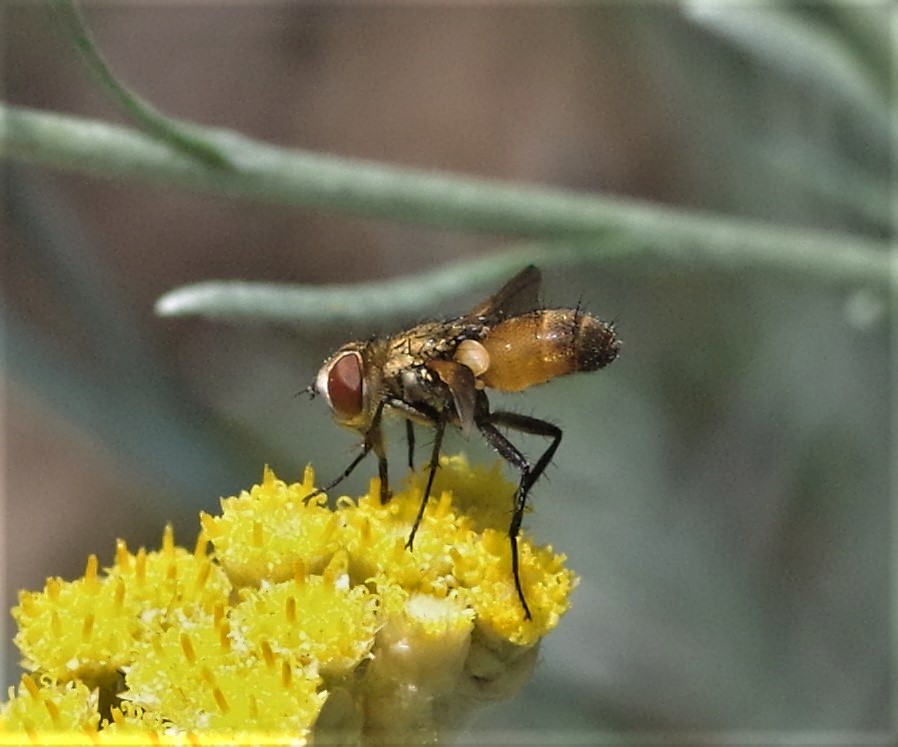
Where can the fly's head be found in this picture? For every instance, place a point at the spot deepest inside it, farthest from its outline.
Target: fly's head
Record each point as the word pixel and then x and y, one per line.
pixel 349 382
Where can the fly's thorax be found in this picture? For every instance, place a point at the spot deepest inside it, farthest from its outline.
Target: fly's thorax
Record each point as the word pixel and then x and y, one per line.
pixel 421 387
pixel 424 342
pixel 405 362
pixel 537 347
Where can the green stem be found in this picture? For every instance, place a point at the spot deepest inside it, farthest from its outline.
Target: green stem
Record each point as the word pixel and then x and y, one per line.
pixel 413 295
pixel 181 135
pixel 293 177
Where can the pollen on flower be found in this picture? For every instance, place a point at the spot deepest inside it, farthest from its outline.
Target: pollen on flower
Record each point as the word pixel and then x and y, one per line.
pixel 303 622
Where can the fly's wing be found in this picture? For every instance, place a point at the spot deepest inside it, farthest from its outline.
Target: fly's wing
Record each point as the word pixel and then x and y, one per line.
pixel 460 380
pixel 516 297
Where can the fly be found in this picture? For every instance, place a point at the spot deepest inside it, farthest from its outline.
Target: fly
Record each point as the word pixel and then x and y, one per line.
pixel 436 374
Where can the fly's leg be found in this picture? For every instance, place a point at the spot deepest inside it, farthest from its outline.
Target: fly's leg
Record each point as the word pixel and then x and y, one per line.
pixel 366 447
pixel 487 423
pixel 534 427
pixel 410 440
pixel 440 426
pixel 373 441
pixel 377 444
pixel 510 453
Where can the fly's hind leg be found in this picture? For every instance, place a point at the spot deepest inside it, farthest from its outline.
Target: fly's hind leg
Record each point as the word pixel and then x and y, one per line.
pixel 534 427
pixel 487 422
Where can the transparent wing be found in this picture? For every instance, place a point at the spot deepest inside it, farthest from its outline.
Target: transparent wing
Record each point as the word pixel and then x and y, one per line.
pixel 518 296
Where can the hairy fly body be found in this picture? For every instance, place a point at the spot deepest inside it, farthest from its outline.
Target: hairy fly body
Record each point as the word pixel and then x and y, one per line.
pixel 436 374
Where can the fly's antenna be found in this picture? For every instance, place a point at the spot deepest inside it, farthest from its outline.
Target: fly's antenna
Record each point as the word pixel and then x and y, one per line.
pixel 310 390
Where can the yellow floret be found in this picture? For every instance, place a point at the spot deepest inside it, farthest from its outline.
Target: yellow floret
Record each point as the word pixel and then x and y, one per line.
pixel 76 629
pixel 461 545
pixel 318 619
pixel 485 568
pixel 200 680
pixel 49 707
pixel 375 537
pixel 264 532
pixel 87 628
pixel 172 581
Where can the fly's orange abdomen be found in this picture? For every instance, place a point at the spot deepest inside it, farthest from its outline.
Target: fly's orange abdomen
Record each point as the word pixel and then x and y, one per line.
pixel 535 348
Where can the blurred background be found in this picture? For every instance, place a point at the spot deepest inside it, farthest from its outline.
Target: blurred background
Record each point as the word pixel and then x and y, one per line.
pixel 723 488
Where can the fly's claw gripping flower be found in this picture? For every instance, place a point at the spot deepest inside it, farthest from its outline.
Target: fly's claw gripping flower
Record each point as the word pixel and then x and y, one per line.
pixel 483 567
pixel 303 622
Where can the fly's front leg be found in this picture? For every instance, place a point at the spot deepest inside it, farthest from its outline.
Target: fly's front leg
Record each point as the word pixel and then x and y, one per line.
pixel 376 439
pixel 373 441
pixel 486 422
pixel 366 447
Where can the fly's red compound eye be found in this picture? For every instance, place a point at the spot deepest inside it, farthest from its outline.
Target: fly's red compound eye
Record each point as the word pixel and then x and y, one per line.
pixel 341 382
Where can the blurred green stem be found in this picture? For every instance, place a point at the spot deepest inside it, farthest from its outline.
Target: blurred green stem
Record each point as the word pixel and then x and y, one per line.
pixel 294 177
pixel 180 135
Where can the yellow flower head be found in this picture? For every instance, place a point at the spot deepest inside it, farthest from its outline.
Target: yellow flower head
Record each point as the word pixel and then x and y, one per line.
pixel 263 533
pixel 86 628
pixel 302 621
